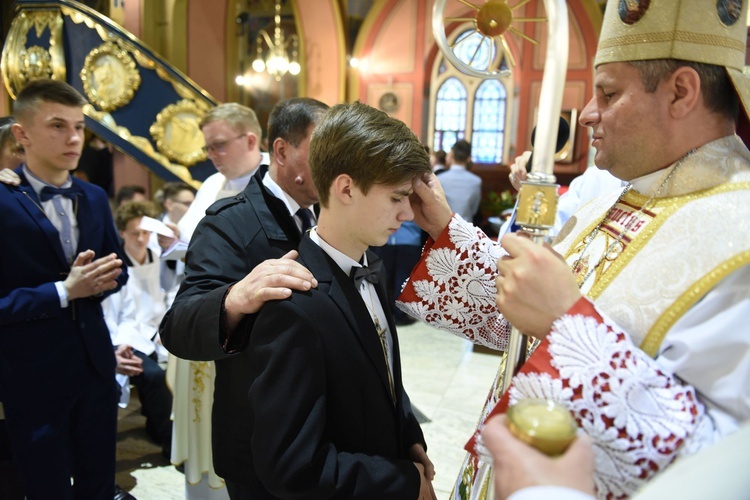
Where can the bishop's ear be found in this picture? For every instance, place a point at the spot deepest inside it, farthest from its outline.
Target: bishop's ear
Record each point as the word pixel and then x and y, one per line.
pixel 685 86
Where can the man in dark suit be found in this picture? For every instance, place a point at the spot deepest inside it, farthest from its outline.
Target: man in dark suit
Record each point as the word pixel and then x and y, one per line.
pixel 59 259
pixel 240 256
pixel 329 414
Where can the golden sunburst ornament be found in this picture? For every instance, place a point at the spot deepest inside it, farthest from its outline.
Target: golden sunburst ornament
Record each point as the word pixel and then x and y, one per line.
pixel 492 20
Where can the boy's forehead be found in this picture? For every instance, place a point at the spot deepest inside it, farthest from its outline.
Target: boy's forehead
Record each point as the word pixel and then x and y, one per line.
pixel 404 187
pixel 55 111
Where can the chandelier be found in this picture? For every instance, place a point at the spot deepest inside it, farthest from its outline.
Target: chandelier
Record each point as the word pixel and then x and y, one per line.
pixel 277 61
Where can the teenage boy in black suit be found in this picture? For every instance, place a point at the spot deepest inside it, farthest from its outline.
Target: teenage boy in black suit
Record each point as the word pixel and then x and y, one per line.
pixel 329 414
pixel 241 255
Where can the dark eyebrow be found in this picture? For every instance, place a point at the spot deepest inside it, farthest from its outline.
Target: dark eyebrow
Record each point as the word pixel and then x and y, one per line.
pixel 403 192
pixel 58 119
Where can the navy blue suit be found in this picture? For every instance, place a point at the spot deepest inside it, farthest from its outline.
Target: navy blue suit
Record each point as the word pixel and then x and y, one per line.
pixel 56 365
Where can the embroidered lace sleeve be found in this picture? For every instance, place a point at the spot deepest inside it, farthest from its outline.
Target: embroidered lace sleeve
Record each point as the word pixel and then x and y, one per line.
pixel 639 417
pixel 453 286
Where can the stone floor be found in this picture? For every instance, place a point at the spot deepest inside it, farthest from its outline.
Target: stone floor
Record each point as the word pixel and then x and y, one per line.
pixel 446 380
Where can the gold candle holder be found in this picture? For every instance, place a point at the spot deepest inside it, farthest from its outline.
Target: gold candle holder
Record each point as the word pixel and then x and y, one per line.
pixel 544 424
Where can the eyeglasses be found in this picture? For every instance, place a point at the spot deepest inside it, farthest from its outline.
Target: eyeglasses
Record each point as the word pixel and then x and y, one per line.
pixel 183 203
pixel 220 147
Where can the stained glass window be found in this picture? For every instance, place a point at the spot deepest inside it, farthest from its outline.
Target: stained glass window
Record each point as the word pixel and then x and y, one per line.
pixel 474 50
pixel 450 114
pixel 465 107
pixel 488 129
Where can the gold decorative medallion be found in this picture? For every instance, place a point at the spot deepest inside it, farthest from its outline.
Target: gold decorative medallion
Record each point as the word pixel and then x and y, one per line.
pixel 177 132
pixel 140 143
pixel 21 63
pixel 110 77
pixel 389 102
pixel 36 63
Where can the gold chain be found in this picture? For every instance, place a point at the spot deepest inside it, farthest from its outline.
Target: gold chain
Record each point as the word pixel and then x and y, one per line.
pixel 635 218
pixel 382 332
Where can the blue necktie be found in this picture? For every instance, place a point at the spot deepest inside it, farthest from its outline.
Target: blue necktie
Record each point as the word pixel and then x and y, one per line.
pixel 66 235
pixel 306 218
pixel 48 192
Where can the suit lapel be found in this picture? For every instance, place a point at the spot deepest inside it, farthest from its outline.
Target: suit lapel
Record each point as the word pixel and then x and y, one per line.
pixel 273 215
pixel 349 301
pixel 28 199
pixel 382 289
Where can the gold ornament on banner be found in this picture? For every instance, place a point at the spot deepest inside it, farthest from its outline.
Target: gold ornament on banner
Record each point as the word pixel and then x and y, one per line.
pixel 110 77
pixel 36 63
pixel 177 132
pixel 21 64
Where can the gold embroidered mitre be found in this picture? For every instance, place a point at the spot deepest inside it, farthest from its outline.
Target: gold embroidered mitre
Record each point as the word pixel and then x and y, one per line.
pixel 704 31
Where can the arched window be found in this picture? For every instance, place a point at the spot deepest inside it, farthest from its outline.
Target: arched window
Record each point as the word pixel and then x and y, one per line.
pixel 450 114
pixel 488 129
pixel 464 107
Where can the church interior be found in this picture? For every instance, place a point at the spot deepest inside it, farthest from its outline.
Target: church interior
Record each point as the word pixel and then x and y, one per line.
pixel 382 53
pixel 191 54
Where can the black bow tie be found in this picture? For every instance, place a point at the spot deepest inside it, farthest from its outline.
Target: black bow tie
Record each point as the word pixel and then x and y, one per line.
pixel 370 273
pixel 48 192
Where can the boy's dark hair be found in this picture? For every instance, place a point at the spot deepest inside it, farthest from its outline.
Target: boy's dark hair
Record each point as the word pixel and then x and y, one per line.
pixel 45 90
pixel 440 156
pixel 366 144
pixel 461 151
pixel 172 189
pixel 133 209
pixel 290 119
pixel 126 193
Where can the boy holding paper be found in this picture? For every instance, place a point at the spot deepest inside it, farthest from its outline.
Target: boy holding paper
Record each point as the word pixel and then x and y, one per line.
pixel 133 316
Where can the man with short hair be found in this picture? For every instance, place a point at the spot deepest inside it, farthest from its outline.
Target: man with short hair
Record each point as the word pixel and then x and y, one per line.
pixel 177 198
pixel 329 416
pixel 463 189
pixel 131 192
pixel 642 329
pixel 241 256
pixel 59 260
pixel 232 135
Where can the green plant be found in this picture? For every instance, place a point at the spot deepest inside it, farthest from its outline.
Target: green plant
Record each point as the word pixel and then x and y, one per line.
pixel 495 203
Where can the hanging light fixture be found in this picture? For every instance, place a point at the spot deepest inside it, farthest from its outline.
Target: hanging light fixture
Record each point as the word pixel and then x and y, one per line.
pixel 277 62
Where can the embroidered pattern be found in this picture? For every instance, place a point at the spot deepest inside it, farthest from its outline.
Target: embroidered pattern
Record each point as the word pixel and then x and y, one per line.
pixel 637 416
pixel 459 297
pixel 202 373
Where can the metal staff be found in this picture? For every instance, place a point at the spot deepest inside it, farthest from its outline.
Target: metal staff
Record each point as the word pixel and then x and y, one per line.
pixel 537 205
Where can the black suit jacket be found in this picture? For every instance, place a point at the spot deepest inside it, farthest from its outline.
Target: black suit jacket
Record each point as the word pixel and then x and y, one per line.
pixel 236 235
pixel 324 423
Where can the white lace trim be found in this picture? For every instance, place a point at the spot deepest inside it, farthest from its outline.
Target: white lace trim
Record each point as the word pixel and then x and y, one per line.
pixel 637 416
pixel 460 297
